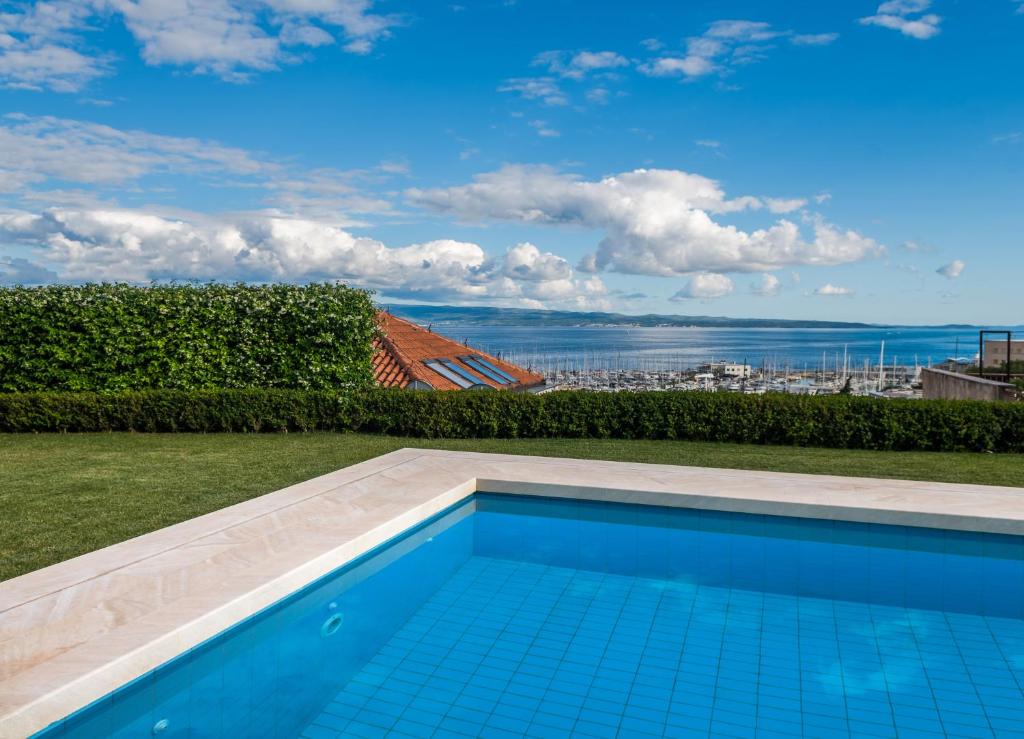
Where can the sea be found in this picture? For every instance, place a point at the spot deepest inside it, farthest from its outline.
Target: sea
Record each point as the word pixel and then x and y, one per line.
pixel 667 348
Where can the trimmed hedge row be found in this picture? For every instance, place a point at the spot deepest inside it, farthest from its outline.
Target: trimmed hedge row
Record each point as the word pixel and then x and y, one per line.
pixel 837 421
pixel 112 338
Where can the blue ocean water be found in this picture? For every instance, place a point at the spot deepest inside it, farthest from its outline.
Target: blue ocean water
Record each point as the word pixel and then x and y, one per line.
pixel 671 348
pixel 513 616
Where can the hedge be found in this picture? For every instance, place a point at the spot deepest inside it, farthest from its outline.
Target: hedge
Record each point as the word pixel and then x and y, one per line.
pixel 838 421
pixel 116 337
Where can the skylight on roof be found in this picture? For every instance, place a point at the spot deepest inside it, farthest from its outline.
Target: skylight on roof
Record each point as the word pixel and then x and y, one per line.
pixel 453 372
pixel 487 370
pixel 482 365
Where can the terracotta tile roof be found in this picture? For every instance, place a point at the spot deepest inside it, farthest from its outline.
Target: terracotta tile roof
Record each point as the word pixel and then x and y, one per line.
pixel 404 347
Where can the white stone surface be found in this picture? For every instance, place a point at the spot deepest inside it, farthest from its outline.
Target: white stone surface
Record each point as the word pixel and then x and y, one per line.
pixel 73 632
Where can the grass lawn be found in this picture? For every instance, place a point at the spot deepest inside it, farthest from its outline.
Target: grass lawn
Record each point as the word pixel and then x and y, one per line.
pixel 64 495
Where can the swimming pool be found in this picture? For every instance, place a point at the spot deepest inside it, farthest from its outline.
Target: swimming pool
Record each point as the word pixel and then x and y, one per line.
pixel 518 615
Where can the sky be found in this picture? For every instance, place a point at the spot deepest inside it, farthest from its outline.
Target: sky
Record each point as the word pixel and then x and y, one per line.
pixel 849 160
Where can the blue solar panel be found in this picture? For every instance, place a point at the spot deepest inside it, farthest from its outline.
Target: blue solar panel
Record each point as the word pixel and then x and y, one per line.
pixel 471 361
pixel 463 372
pixel 484 363
pixel 448 374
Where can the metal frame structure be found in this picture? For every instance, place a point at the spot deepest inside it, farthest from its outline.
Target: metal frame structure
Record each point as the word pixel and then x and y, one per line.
pixel 981 352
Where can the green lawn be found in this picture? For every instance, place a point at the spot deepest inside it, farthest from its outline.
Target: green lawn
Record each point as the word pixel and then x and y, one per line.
pixel 63 495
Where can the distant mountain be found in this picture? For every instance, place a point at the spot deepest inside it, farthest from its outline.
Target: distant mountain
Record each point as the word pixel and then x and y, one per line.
pixel 484 316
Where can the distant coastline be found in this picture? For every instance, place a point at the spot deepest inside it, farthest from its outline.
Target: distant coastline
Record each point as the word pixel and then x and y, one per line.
pixel 441 315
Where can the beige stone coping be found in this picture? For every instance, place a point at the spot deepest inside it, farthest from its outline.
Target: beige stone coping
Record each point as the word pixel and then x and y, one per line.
pixel 73 632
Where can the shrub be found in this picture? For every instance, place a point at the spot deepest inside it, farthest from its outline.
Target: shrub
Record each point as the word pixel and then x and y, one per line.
pixel 112 338
pixel 840 421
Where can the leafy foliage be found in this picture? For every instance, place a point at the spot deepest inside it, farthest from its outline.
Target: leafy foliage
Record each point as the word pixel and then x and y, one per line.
pixel 115 337
pixel 842 422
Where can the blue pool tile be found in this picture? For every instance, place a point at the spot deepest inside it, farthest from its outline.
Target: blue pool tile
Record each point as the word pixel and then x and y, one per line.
pixel 562 618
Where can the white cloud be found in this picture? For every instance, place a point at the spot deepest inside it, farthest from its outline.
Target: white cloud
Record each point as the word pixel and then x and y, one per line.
pixel 725 44
pixel 704 286
pixel 784 205
pixel 578 65
pixel 545 89
pixel 692 65
pixel 35 149
pixel 527 262
pixel 906 16
pixel 233 38
pixel 139 246
pixel 39 156
pixel 767 286
pixel 544 130
pixel 741 30
pixel 21 271
pixel 563 65
pixel 814 39
pixel 39 49
pixel 708 143
pixel 833 290
pixel 655 222
pixel 42 42
pixel 916 247
pixel 952 270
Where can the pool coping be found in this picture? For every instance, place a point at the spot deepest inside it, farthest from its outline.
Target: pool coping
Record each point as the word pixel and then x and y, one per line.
pixel 75 631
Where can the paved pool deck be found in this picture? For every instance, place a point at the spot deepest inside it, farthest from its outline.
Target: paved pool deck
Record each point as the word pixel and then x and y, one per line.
pixel 75 631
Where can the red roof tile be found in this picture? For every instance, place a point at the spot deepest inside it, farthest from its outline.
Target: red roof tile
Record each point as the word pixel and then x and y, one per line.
pixel 404 346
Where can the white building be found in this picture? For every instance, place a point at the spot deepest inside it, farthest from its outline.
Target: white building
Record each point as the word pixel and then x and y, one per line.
pixel 728 369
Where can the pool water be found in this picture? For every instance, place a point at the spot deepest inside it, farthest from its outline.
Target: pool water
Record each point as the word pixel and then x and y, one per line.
pixel 518 616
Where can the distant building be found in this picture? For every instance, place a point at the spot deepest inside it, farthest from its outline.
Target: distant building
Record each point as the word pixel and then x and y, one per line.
pixel 727 369
pixel 995 352
pixel 407 355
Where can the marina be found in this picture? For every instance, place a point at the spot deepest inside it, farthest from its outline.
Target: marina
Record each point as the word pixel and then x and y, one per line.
pixel 882 362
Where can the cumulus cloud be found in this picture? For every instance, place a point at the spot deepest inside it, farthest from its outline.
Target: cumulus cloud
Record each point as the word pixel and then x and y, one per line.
pixel 654 222
pixel 39 49
pixel 140 246
pixel 829 289
pixel 767 286
pixel 229 38
pixel 704 286
pixel 906 16
pixel 952 270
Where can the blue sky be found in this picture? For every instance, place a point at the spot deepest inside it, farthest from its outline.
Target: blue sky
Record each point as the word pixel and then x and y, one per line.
pixel 850 160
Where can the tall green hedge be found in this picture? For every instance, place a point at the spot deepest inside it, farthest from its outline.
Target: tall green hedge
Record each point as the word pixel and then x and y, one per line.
pixel 837 421
pixel 115 337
